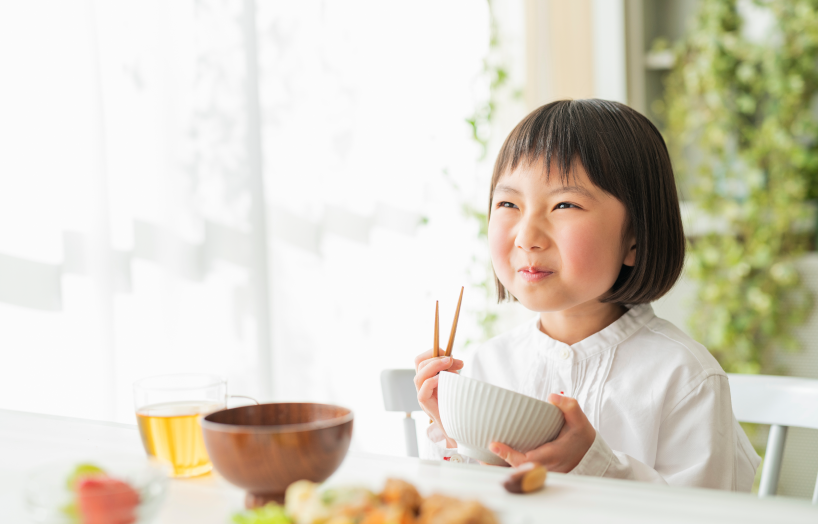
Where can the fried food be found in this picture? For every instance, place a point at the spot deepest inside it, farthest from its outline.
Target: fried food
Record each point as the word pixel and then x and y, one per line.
pixel 401 493
pixel 398 503
pixel 440 509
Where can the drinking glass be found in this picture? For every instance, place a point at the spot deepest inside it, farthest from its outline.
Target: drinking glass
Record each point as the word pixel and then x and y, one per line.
pixel 168 408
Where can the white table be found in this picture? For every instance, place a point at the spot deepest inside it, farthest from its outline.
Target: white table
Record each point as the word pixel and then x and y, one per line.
pixel 28 440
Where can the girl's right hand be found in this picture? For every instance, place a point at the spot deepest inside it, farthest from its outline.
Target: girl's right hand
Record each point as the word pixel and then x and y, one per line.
pixel 427 369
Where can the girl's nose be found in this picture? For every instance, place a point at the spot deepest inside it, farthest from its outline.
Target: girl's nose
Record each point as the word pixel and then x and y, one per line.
pixel 530 237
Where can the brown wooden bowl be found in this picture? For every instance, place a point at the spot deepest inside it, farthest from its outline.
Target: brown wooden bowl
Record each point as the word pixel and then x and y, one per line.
pixel 265 448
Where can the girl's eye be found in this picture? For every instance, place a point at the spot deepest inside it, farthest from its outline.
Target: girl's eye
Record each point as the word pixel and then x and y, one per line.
pixel 565 205
pixel 506 204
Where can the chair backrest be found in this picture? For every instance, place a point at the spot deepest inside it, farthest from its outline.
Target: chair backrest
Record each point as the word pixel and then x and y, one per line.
pixel 780 402
pixel 399 392
pixel 783 401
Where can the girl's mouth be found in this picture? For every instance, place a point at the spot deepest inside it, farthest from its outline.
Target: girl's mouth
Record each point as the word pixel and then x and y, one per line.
pixel 534 274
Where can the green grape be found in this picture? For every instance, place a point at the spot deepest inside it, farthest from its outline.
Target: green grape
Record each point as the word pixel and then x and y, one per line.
pixel 270 513
pixel 80 471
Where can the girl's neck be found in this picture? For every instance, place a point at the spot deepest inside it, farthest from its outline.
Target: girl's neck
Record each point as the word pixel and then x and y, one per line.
pixel 578 323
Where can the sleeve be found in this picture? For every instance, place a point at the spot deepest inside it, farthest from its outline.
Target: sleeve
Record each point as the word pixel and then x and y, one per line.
pixel 602 461
pixel 434 447
pixel 696 446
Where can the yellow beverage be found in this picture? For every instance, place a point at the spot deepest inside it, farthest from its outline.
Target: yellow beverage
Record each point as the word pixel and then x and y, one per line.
pixel 171 432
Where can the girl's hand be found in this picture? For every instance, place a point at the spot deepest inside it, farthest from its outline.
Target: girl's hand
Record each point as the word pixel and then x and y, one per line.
pixel 427 369
pixel 563 453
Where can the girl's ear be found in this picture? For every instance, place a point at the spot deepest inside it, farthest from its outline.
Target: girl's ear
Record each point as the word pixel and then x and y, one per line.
pixel 630 256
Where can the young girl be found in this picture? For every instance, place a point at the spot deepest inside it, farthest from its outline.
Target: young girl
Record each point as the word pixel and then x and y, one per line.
pixel 585 229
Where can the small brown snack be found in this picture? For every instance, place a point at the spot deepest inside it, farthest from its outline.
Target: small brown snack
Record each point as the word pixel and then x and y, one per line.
pixel 527 478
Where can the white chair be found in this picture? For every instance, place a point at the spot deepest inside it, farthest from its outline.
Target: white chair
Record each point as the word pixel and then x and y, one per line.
pixel 781 402
pixel 399 394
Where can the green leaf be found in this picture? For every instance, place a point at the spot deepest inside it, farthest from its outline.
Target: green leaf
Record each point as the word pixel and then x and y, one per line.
pixel 742 133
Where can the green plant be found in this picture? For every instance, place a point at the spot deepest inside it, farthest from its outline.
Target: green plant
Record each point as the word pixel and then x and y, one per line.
pixel 742 130
pixel 496 74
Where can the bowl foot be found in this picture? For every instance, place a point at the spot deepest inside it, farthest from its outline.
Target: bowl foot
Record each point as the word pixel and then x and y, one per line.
pixel 483 455
pixel 256 500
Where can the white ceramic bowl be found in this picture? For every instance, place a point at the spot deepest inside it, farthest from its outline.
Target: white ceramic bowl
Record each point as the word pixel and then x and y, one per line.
pixel 475 414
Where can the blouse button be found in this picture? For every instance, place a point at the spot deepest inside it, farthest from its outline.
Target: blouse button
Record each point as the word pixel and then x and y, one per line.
pixel 565 353
pixel 456 458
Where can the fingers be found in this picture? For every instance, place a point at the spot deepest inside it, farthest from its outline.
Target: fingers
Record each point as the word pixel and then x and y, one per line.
pixel 456 364
pixel 515 458
pixel 432 367
pixel 423 356
pixel 426 379
pixel 426 356
pixel 570 409
pixel 548 454
pixel 575 439
pixel 555 399
pixel 428 372
pixel 428 399
pixel 426 389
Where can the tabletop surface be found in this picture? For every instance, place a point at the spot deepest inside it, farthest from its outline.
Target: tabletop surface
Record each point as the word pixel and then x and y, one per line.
pixel 29 440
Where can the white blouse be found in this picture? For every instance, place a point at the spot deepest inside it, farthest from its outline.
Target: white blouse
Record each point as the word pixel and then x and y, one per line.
pixel 659 401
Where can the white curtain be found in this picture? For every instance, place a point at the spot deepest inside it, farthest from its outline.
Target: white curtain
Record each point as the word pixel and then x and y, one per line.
pixel 271 191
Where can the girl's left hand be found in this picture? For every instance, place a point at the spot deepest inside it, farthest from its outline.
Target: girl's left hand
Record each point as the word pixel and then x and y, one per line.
pixel 563 453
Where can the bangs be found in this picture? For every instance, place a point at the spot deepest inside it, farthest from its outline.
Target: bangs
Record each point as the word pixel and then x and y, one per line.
pixel 561 134
pixel 547 137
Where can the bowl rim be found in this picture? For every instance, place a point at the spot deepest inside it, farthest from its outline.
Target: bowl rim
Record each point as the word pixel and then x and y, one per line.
pixel 508 390
pixel 212 425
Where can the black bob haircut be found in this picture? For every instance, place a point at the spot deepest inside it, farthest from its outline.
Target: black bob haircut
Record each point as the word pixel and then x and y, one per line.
pixel 625 156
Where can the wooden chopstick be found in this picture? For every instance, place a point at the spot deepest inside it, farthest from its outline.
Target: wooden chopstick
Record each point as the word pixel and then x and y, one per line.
pixel 454 325
pixel 437 327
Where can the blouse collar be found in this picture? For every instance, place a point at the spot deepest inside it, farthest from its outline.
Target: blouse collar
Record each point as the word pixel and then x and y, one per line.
pixel 616 333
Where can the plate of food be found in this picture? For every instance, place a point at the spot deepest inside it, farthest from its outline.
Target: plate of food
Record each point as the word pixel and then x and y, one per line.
pixel 110 490
pixel 399 502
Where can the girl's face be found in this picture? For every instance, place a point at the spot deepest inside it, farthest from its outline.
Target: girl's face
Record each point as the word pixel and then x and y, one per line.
pixel 556 247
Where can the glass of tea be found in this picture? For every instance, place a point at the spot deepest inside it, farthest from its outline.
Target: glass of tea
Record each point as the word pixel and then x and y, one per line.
pixel 168 408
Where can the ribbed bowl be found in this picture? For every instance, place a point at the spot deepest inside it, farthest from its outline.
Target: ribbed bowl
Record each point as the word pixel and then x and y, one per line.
pixel 475 414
